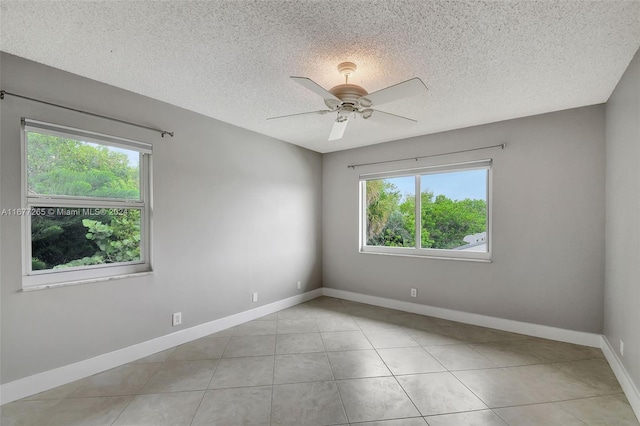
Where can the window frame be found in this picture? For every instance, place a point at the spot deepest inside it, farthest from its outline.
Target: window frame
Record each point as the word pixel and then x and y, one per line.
pixel 35 279
pixel 417 250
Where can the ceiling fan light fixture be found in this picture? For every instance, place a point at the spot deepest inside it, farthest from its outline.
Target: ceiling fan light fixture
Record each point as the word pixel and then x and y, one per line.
pixel 332 103
pixel 366 113
pixel 364 102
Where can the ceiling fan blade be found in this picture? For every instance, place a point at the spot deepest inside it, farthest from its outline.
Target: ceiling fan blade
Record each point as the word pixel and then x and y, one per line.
pixel 397 91
pixel 322 111
pixel 314 87
pixel 388 118
pixel 337 131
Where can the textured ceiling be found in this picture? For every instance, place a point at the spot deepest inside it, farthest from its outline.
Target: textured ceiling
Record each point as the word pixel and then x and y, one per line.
pixel 483 61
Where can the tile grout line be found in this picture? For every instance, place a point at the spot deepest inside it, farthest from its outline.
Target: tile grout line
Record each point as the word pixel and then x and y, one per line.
pixel 133 396
pixel 195 413
pixel 560 400
pixel 273 373
pixel 344 408
pixel 218 364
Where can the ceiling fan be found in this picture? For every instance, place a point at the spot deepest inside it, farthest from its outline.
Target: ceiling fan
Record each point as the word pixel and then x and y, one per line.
pixel 349 101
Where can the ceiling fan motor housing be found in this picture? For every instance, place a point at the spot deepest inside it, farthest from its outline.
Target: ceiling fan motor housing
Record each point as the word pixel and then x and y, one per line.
pixel 348 93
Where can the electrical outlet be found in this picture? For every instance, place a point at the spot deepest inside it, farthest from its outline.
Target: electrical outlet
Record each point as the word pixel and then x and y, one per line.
pixel 621 348
pixel 299 285
pixel 414 292
pixel 254 297
pixel 177 318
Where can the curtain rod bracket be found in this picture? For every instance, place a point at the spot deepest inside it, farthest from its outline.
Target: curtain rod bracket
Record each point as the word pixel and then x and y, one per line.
pixel 162 132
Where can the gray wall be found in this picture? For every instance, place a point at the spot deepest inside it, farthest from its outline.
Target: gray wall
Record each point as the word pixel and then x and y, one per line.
pixel 234 212
pixel 622 282
pixel 548 223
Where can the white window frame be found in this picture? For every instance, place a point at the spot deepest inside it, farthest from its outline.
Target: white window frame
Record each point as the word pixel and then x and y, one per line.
pixel 94 273
pixel 417 250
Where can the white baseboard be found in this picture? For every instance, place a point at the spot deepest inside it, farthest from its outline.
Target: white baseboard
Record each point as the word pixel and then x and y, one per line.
pixel 630 389
pixel 536 330
pixel 40 382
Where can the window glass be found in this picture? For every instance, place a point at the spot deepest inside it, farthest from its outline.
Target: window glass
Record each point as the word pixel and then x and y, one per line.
pixel 68 237
pixel 454 210
pixel 391 212
pixel 448 216
pixel 69 167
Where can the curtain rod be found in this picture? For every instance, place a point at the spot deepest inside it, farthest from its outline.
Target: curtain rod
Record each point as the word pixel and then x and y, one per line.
pixel 353 166
pixel 162 132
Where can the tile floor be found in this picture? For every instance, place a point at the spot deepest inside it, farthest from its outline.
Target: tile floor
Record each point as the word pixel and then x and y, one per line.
pixel 334 362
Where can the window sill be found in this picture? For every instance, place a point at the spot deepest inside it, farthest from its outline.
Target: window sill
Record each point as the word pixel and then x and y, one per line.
pixel 425 256
pixel 85 281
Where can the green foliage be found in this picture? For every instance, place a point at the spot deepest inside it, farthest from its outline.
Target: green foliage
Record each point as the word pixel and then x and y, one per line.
pixel 85 261
pixel 61 166
pixel 37 264
pixel 444 222
pixel 382 200
pixel 60 239
pixel 45 231
pixel 394 233
pixel 118 241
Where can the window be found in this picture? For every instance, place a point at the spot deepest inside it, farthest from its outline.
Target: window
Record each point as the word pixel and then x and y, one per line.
pixel 86 205
pixel 440 211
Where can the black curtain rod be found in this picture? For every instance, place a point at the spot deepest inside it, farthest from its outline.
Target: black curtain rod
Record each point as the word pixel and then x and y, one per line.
pixel 353 166
pixel 3 93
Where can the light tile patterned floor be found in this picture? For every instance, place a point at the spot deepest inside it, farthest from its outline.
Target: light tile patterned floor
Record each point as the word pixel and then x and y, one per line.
pixel 334 362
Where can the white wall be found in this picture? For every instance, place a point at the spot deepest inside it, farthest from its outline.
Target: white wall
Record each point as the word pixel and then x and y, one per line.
pixel 548 223
pixel 622 277
pixel 234 212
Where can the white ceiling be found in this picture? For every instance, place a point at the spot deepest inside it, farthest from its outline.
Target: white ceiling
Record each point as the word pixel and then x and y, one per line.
pixel 483 61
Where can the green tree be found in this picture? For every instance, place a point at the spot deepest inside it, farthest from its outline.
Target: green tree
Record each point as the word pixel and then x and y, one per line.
pixel 117 241
pixel 61 166
pixel 59 239
pixel 382 200
pixel 427 222
pixel 445 222
pixel 390 220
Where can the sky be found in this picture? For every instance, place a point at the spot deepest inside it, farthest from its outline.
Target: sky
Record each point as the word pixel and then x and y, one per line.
pixel 455 185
